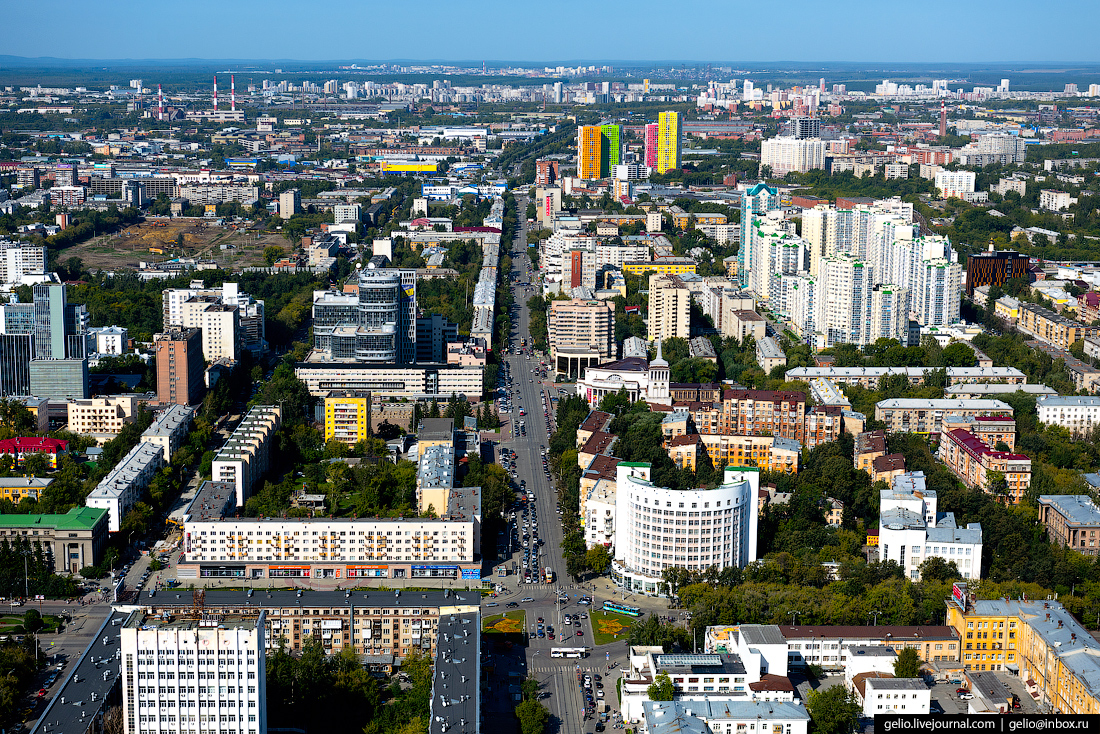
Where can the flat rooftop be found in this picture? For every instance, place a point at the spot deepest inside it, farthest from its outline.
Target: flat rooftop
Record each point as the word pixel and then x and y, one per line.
pixel 289 598
pixel 436 429
pixel 192 622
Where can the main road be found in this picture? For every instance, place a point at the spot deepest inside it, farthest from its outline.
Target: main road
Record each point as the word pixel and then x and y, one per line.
pixel 557 677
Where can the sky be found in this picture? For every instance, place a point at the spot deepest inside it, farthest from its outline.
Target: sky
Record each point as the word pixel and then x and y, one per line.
pixel 930 31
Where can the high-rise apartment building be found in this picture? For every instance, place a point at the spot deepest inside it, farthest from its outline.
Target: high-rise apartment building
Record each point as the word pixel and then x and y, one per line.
pixel 669 308
pixel 786 154
pixel 889 313
pixel 181 647
pixel 589 152
pixel 844 305
pixel 581 333
pixel 290 203
pixel 804 127
pixel 760 199
pixel 669 132
pixel 179 367
pixel 610 148
pixel 775 250
pixel 651 131
pixel 546 173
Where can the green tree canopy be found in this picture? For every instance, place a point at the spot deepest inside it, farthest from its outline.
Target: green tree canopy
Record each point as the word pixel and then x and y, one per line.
pixel 661 689
pixel 832 710
pixel 907 664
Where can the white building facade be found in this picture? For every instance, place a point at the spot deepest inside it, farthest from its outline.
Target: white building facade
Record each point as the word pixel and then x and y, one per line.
pixel 658 528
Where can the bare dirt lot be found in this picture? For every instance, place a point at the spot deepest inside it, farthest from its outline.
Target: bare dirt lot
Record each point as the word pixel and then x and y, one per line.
pixel 182 237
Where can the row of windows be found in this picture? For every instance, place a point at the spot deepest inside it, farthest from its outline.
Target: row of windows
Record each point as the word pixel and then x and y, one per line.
pixel 365 533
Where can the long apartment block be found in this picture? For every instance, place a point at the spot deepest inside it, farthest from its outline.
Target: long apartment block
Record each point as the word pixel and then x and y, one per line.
pixel 391 624
pixel 219 545
pixel 245 457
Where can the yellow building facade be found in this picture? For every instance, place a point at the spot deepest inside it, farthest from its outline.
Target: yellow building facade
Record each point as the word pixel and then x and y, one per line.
pixel 1039 640
pixel 347 416
pixel 665 266
pixel 669 132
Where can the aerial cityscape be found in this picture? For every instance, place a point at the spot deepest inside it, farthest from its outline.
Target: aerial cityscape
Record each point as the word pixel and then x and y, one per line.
pixel 418 393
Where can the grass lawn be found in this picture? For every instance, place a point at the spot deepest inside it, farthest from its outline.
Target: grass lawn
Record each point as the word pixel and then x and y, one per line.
pixel 513 622
pixel 609 626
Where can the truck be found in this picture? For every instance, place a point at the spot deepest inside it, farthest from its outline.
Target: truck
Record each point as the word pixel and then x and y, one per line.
pixel 502 571
pixel 549 576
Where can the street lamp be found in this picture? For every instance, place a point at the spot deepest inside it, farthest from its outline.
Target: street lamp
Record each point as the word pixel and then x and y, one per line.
pixel 792 614
pixel 875 613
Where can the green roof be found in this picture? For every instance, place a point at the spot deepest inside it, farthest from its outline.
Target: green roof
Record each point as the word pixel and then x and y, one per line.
pixel 743 468
pixel 634 463
pixel 78 518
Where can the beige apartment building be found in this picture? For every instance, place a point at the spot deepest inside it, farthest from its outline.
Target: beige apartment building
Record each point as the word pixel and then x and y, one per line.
pixel 581 333
pixel 1051 327
pixel 102 417
pixel 669 308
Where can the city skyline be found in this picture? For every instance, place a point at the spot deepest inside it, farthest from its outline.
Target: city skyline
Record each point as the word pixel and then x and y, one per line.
pixel 250 30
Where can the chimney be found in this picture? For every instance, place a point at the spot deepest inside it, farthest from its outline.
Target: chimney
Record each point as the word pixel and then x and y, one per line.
pixel 1059 624
pixel 215 92
pixel 232 93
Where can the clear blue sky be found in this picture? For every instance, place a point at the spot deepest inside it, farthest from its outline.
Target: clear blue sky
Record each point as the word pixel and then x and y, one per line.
pixel 644 30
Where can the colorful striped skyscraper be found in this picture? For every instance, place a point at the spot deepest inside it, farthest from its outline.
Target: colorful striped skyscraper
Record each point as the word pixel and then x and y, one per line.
pixel 668 141
pixel 610 148
pixel 651 144
pixel 589 152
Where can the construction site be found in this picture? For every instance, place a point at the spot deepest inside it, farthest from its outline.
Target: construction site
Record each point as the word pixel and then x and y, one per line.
pixel 229 244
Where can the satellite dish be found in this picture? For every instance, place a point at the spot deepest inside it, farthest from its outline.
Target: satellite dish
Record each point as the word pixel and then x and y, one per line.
pixel 358 266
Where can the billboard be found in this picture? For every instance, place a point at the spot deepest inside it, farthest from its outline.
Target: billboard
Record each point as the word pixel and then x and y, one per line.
pixel 958 593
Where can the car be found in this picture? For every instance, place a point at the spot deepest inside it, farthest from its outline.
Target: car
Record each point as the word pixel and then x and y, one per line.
pixel 598 677
pixel 492 604
pixel 580 633
pixel 599 694
pixel 599 685
pixel 41 693
pixel 961 691
pixel 526 599
pixel 966 696
pixel 540 620
pixel 600 726
pixel 542 634
pixel 512 604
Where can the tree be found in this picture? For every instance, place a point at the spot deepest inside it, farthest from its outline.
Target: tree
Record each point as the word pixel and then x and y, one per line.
pixel 661 689
pixel 957 354
pixel 598 558
pixel 833 710
pixel 387 431
pixel 907 664
pixel 533 717
pixel 32 621
pixel 939 569
pixel 272 253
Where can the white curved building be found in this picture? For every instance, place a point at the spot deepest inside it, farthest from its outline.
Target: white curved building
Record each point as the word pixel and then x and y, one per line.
pixel 658 528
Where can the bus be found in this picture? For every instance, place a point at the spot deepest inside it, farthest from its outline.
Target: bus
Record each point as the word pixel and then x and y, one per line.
pixel 548 576
pixel 569 652
pixel 614 606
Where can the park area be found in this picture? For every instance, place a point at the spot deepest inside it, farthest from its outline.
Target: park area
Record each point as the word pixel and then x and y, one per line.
pixel 508 623
pixel 610 626
pixel 31 621
pixel 156 240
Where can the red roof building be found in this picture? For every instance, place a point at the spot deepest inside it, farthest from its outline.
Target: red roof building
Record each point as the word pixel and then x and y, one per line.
pixel 21 448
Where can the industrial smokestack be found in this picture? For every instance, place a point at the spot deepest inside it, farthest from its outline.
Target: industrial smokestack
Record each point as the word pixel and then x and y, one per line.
pixel 943 118
pixel 160 103
pixel 215 92
pixel 232 93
